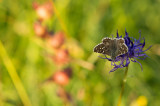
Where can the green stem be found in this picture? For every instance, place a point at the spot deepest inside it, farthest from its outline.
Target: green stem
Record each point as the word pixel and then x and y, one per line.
pixel 122 89
pixel 59 18
pixel 14 76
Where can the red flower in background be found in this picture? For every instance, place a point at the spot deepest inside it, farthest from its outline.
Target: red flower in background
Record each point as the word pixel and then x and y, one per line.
pixel 44 11
pixel 56 40
pixel 40 30
pixel 61 56
pixel 62 77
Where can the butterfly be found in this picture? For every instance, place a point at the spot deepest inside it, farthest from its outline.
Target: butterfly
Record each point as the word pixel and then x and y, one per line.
pixel 112 47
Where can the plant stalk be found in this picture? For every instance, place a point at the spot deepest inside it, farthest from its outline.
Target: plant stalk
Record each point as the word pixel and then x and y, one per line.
pixel 123 84
pixel 14 76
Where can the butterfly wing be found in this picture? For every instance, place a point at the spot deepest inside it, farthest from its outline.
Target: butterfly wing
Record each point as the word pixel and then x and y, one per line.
pixel 121 47
pixel 112 47
pixel 102 48
pixel 107 41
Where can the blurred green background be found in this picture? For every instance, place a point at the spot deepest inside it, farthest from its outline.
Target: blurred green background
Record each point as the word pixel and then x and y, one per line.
pixel 85 23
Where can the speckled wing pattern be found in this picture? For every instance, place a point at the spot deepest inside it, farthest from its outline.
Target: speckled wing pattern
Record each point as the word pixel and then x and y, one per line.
pixel 121 47
pixel 105 46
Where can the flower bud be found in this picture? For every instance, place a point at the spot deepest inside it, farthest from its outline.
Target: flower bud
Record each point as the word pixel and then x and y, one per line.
pixel 61 56
pixel 61 78
pixel 56 40
pixel 44 11
pixel 39 29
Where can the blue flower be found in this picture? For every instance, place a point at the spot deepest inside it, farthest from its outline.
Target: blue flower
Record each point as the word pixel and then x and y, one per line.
pixel 135 51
